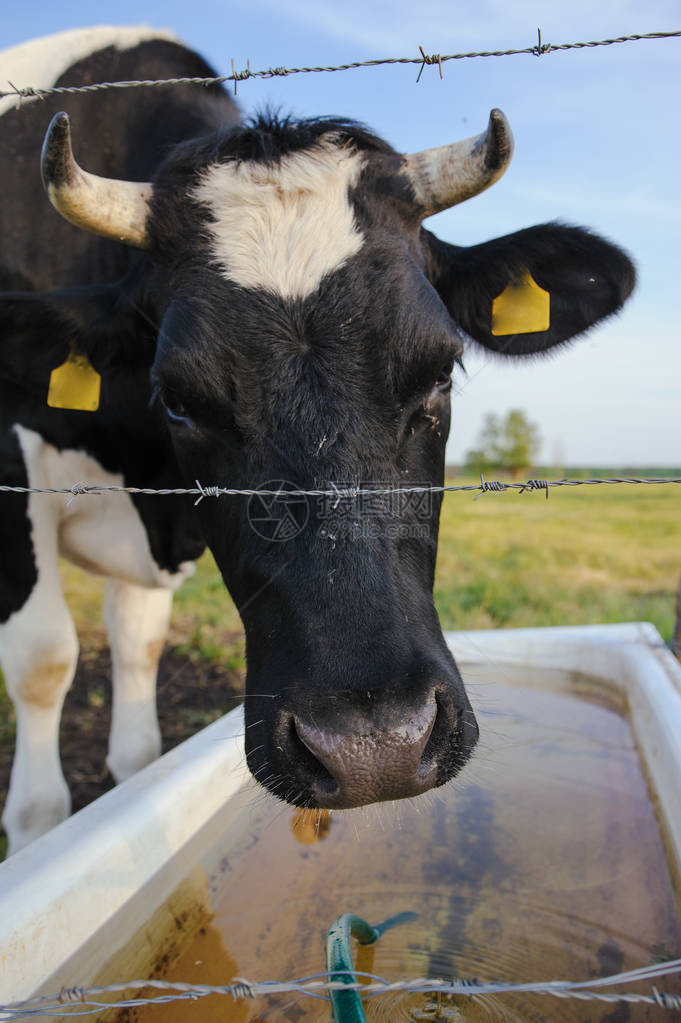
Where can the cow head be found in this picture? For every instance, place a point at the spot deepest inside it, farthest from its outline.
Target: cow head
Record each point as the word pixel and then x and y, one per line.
pixel 307 330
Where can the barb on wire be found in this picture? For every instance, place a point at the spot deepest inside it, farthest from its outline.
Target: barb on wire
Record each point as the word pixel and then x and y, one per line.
pixel 86 1001
pixel 435 59
pixel 539 49
pixel 339 492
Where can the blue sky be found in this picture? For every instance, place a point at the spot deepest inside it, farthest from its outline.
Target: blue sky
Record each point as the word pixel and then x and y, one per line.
pixel 597 144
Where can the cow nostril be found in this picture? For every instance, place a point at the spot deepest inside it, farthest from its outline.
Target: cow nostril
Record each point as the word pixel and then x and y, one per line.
pixel 440 738
pixel 322 780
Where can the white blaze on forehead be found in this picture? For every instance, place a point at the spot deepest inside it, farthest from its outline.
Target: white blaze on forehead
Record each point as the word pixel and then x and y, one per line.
pixel 283 227
pixel 40 62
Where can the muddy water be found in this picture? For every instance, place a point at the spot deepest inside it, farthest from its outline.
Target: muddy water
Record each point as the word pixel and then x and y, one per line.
pixel 543 861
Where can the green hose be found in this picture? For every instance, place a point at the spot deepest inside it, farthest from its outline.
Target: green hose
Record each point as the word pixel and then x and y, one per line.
pixel 347 1005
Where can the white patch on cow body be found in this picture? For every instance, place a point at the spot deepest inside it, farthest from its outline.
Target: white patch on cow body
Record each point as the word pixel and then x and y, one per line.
pixel 284 226
pixel 102 534
pixel 40 62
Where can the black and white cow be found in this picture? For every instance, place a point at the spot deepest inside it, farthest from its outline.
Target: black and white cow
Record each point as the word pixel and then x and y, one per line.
pixel 265 306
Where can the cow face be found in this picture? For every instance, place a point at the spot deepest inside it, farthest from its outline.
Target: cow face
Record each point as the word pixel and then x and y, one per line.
pixel 308 327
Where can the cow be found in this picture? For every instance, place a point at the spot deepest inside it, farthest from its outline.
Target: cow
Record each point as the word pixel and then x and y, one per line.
pixel 258 301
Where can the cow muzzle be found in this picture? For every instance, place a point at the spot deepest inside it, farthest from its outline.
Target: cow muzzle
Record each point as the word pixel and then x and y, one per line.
pixel 378 755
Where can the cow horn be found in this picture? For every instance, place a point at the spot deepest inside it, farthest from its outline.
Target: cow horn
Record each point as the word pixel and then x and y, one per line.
pixel 104 206
pixel 448 175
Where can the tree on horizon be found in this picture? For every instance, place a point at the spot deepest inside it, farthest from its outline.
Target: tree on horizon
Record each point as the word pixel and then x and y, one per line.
pixel 509 442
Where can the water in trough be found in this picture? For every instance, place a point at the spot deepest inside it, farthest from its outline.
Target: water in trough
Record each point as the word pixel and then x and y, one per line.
pixel 543 861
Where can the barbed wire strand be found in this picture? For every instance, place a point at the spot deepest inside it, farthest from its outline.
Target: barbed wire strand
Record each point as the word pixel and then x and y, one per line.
pixel 539 49
pixel 84 1000
pixel 339 492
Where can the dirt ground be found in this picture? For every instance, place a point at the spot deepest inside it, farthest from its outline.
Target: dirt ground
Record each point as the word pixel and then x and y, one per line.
pixel 190 695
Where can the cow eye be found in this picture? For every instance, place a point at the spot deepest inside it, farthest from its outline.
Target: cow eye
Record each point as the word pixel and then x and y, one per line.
pixel 175 410
pixel 444 381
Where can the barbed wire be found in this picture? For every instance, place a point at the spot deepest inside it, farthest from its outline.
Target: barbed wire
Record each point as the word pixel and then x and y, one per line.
pixel 83 1000
pixel 338 492
pixel 539 49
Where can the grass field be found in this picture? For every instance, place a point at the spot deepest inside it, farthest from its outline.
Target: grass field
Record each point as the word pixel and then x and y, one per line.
pixel 587 555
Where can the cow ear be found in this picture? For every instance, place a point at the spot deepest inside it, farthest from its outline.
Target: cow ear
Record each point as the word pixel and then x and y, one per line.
pixel 38 329
pixel 526 292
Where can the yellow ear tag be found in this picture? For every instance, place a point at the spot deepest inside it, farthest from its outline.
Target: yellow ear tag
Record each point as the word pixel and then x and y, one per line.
pixel 75 384
pixel 522 308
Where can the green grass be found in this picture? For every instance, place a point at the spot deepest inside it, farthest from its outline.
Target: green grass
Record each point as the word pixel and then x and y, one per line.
pixel 587 555
pixel 206 623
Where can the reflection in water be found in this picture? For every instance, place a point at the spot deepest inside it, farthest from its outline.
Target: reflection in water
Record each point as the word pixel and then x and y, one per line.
pixel 543 861
pixel 310 826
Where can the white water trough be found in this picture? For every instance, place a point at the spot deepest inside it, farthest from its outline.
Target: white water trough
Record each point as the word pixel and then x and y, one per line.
pixel 72 899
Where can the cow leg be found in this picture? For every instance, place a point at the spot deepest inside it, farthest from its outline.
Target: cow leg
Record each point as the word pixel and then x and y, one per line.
pixel 38 651
pixel 137 619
